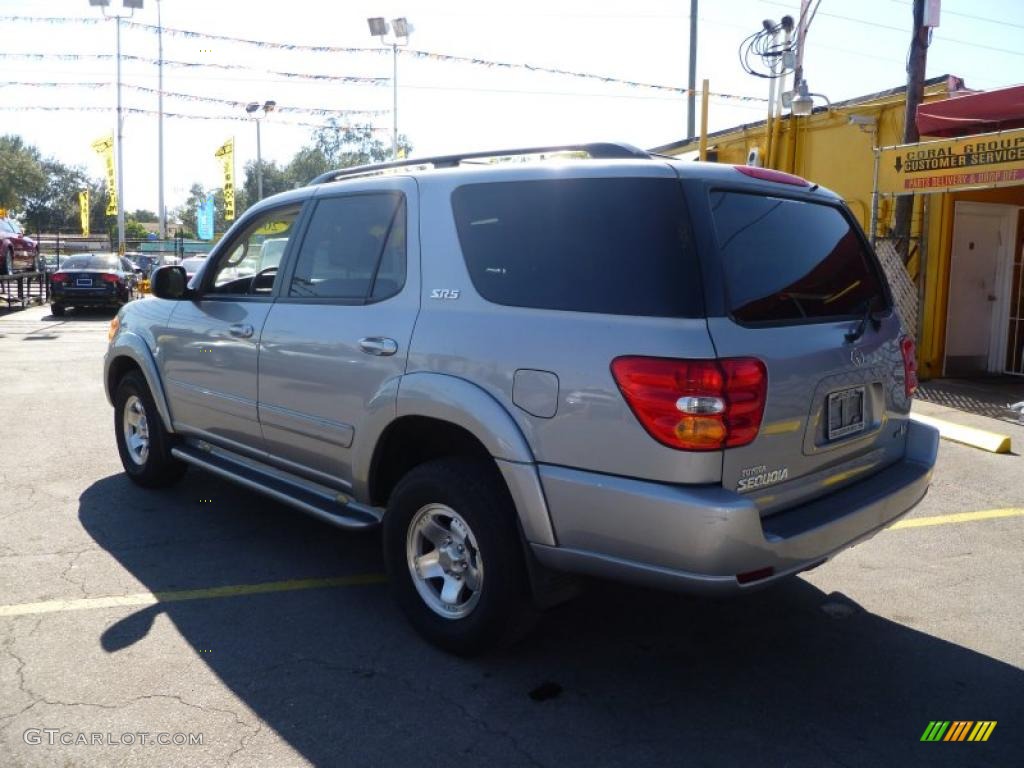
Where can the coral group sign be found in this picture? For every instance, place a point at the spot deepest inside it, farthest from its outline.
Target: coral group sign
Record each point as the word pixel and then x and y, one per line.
pixel 985 160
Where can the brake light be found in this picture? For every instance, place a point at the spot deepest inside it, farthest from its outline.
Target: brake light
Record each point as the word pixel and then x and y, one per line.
pixel 695 405
pixel 109 278
pixel 769 174
pixel 59 277
pixel 909 350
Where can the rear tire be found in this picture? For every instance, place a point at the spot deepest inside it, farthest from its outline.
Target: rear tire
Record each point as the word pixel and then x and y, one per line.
pixel 57 310
pixel 463 505
pixel 142 441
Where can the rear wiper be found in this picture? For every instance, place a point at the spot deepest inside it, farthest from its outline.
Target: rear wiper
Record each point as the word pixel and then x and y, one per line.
pixel 862 326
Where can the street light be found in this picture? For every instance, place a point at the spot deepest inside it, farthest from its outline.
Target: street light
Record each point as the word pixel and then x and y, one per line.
pixel 801 104
pixel 258 111
pixel 402 29
pixel 131 5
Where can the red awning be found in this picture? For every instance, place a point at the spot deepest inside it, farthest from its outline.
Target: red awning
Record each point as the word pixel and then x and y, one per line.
pixel 974 113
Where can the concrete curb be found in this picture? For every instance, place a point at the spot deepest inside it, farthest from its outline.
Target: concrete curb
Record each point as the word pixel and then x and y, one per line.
pixel 992 442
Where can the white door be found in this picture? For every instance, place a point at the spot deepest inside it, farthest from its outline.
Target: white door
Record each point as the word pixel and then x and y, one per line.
pixel 975 322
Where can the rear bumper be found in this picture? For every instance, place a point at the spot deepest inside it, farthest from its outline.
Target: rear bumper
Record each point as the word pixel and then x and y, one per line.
pixel 88 298
pixel 700 538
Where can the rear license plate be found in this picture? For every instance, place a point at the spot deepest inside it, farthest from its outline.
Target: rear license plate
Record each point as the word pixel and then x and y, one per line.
pixel 84 282
pixel 845 412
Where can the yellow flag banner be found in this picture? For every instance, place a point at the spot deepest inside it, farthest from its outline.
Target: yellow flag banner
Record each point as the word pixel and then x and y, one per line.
pixel 105 148
pixel 83 209
pixel 226 154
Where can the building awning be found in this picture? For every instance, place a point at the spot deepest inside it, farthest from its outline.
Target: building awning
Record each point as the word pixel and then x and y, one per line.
pixel 975 113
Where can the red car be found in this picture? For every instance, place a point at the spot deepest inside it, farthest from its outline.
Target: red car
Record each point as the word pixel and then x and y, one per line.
pixel 18 253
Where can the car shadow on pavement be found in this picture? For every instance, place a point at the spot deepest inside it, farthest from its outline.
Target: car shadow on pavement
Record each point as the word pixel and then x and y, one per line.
pixel 82 315
pixel 789 676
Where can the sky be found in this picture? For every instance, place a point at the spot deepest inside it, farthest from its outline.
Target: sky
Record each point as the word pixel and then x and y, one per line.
pixel 852 49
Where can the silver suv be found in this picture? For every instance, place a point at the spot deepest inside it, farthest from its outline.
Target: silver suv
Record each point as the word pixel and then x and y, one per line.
pixel 680 374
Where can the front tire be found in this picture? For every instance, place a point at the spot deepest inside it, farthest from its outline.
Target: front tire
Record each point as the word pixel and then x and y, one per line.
pixel 454 557
pixel 142 441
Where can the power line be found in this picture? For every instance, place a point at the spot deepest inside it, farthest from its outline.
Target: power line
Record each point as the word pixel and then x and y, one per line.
pixel 946 12
pixel 175 115
pixel 407 52
pixel 354 79
pixel 319 111
pixel 878 25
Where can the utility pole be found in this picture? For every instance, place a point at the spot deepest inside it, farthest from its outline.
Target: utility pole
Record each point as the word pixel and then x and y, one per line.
pixel 160 122
pixel 120 148
pixel 691 85
pixel 915 94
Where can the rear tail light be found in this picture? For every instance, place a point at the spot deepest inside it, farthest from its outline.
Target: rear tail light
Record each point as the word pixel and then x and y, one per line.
pixel 695 405
pixel 909 350
pixel 59 277
pixel 109 278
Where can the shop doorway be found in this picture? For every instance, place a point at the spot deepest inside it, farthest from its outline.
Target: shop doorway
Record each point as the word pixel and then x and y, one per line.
pixel 980 334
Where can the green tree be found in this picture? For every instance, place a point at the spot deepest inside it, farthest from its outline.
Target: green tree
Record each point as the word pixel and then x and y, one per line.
pixel 55 207
pixel 22 177
pixel 275 179
pixel 143 216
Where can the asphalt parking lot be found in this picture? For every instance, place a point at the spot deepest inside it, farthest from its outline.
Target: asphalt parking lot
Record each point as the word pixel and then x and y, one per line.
pixel 274 637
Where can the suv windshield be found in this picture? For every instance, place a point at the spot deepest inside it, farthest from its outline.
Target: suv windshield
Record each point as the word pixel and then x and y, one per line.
pixel 610 245
pixel 788 260
pixel 89 262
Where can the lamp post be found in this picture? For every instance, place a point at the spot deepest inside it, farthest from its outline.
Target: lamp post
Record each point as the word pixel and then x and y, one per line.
pixel 401 28
pixel 160 122
pixel 131 5
pixel 258 111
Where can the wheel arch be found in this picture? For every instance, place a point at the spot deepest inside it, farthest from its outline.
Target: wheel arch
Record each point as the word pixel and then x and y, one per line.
pixel 440 415
pixel 128 353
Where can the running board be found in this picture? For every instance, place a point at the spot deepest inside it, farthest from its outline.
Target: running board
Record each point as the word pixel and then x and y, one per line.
pixel 339 511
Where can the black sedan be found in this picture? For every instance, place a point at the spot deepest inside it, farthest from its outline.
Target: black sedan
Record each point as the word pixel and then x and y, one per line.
pixel 92 280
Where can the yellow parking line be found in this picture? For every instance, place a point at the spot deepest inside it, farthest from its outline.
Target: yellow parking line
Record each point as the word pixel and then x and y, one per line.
pixel 294 585
pixel 152 598
pixel 958 517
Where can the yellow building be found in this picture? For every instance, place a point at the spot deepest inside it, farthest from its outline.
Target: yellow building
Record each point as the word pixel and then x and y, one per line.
pixel 971 281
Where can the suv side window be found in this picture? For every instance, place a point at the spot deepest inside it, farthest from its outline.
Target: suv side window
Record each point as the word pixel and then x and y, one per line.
pixel 354 248
pixel 244 268
pixel 609 245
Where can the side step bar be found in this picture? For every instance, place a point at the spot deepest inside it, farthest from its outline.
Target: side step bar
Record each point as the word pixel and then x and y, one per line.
pixel 342 514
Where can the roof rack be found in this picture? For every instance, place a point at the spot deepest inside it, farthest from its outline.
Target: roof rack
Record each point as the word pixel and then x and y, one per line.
pixel 597 151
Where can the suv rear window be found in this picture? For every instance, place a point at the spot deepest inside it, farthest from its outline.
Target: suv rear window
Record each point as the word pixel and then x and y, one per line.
pixel 615 246
pixel 791 261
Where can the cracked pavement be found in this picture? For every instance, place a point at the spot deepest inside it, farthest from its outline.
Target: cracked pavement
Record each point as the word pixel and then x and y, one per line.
pixel 843 666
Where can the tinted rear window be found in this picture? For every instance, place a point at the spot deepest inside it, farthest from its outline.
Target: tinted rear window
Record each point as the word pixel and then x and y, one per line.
pixel 787 260
pixel 614 246
pixel 90 262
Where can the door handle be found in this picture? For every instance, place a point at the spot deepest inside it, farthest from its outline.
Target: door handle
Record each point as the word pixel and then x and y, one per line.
pixel 241 330
pixel 378 345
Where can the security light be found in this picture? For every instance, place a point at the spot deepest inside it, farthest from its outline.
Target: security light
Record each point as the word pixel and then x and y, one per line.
pixel 133 4
pixel 269 106
pixel 401 26
pixel 378 27
pixel 802 103
pixel 99 3
pixel 252 106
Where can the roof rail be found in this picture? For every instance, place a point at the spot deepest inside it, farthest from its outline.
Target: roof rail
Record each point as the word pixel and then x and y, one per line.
pixel 597 151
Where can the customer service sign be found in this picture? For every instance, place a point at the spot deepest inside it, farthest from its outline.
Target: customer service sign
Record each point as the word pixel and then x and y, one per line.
pixel 985 160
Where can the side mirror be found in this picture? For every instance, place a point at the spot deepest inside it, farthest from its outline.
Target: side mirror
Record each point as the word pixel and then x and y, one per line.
pixel 170 282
